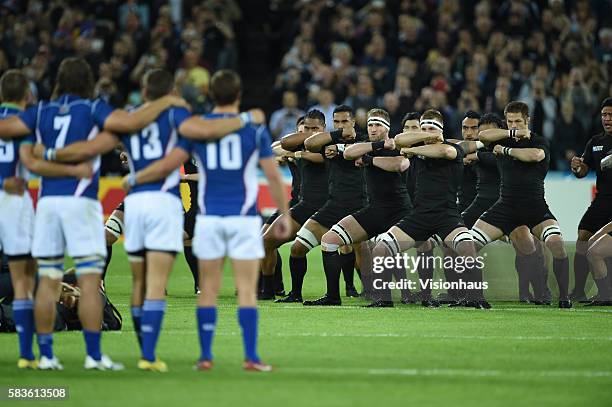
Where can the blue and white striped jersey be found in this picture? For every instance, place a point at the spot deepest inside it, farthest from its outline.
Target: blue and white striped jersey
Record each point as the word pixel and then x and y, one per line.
pixel 9 149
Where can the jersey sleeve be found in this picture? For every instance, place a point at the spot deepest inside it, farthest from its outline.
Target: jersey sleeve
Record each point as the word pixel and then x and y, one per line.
pixel 101 111
pixel 184 144
pixel 588 154
pixel 541 143
pixel 29 116
pixel 264 141
pixel 487 159
pixel 179 115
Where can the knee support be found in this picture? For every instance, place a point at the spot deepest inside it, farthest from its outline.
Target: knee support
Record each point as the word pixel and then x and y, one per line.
pixel 307 238
pixel 342 232
pixel 435 240
pixel 52 268
pixel 480 237
pixel 89 265
pixel 462 237
pixel 114 225
pixel 549 231
pixel 390 243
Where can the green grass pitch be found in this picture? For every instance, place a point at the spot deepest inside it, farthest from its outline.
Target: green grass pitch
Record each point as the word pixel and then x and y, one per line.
pixel 511 355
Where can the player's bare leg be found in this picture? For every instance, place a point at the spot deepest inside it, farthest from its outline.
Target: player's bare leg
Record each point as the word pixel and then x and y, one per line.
pixel 600 248
pixel 138 266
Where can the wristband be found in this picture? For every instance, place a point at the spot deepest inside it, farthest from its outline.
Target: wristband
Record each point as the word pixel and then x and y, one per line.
pixel 368 160
pixel 49 154
pixel 336 136
pixel 245 118
pixel 131 179
pixel 479 145
pixel 378 145
pixel 506 151
pixel 512 133
pixel 1 183
pixel 341 148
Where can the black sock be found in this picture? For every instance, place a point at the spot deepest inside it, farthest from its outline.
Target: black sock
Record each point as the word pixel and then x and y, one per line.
pixel 383 293
pixel 278 274
pixel 332 267
pixel 399 274
pixel 475 276
pixel 348 268
pixel 192 261
pixel 561 270
pixel 268 284
pixel 581 273
pixel 521 263
pixel 109 255
pixel 298 267
pixel 543 267
pixel 603 288
pixel 451 276
pixel 425 270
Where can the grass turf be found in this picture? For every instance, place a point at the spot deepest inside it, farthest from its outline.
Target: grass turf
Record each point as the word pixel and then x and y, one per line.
pixel 511 355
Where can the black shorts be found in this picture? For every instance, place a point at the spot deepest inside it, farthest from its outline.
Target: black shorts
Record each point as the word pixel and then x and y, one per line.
pixel 333 212
pixel 120 207
pixel 597 216
pixel 272 218
pixel 376 219
pixel 303 211
pixel 476 208
pixel 508 216
pixel 421 227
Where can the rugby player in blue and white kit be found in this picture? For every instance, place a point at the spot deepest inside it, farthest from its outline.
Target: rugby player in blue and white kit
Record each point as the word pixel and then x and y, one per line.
pixel 228 223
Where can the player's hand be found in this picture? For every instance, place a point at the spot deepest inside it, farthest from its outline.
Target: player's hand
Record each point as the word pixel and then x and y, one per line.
pixel 523 134
pixel 434 138
pixel 38 150
pixel 606 163
pixel 498 150
pixel 83 170
pixel 470 159
pixel 331 151
pixel 407 152
pixel 280 160
pixel 283 227
pixel 297 155
pixel 348 134
pixel 14 186
pixel 123 157
pixel 359 162
pixel 177 102
pixel 576 164
pixel 389 144
pixel 257 116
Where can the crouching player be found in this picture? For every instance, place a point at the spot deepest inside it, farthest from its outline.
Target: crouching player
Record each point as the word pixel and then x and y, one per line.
pixel 228 223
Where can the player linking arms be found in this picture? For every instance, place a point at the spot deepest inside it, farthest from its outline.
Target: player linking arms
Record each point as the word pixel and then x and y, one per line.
pixel 228 224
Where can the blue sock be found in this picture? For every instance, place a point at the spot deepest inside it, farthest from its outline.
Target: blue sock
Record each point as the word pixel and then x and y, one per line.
pixel 23 313
pixel 207 321
pixel 152 316
pixel 137 319
pixel 92 344
pixel 247 318
pixel 45 344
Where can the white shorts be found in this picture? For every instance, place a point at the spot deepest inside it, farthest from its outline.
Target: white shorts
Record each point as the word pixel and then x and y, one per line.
pixel 16 223
pixel 68 224
pixel 153 221
pixel 238 237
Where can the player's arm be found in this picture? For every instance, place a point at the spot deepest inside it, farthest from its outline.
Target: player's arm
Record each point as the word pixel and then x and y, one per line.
pixel 390 164
pixel 354 151
pixel 308 156
pixel 13 127
pixel 190 177
pixel 50 169
pixel 294 141
pixel 410 138
pixel 79 151
pixel 317 141
pixel 528 155
pixel 198 128
pixel 122 121
pixel 275 183
pixel 493 135
pixel 439 151
pixel 469 146
pixel 279 151
pixel 158 170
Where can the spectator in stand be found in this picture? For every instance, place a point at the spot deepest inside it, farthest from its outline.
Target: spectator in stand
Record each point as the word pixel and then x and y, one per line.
pixel 282 121
pixel 568 139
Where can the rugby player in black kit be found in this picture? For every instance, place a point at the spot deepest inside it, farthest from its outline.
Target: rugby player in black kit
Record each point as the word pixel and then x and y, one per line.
pixel 346 195
pixel 598 148
pixel 438 165
pixel 523 162
pixel 388 201
pixel 313 194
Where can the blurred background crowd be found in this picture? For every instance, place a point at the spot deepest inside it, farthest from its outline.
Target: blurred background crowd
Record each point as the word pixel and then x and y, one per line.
pixel 401 55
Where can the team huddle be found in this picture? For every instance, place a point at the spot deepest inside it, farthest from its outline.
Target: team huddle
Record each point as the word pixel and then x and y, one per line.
pixel 361 197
